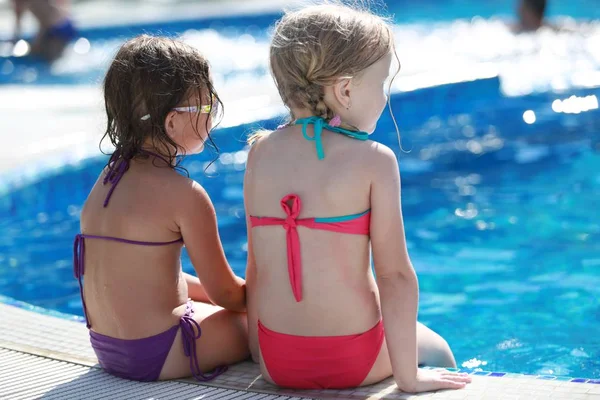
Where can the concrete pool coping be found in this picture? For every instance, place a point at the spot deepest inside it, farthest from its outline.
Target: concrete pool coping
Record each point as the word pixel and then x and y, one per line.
pixel 49 356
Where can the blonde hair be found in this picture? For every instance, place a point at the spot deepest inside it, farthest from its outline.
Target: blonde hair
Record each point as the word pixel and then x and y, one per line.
pixel 314 46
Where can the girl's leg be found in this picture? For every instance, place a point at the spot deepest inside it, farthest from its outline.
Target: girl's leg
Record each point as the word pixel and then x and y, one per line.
pixel 434 351
pixel 224 341
pixel 196 291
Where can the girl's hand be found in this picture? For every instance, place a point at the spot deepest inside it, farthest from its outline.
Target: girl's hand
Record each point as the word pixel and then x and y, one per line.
pixel 431 379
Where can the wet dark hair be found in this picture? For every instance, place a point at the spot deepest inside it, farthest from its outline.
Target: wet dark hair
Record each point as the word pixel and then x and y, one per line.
pixel 152 75
pixel 538 6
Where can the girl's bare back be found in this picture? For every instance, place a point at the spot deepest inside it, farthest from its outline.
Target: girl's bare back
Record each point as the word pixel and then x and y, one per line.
pixel 337 279
pixel 135 291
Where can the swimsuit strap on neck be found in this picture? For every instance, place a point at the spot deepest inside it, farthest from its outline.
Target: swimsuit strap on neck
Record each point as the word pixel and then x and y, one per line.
pixel 319 123
pixel 118 165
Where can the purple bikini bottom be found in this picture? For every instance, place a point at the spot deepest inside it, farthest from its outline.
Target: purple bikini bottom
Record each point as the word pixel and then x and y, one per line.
pixel 143 359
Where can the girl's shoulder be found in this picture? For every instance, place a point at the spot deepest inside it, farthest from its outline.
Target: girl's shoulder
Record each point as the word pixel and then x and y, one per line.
pixel 256 141
pixel 191 201
pixel 175 189
pixel 375 151
pixel 186 188
pixel 379 159
pixel 255 137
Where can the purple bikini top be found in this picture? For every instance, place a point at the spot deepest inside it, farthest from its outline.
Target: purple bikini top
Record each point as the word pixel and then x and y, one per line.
pixel 117 167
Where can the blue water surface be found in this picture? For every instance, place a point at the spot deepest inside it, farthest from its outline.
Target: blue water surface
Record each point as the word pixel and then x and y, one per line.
pixel 501 216
pixel 463 33
pixel 439 10
pixel 501 220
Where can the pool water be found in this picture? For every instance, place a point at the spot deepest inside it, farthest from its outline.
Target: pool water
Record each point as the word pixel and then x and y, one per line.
pixel 500 221
pixel 435 10
pixel 498 192
pixel 443 38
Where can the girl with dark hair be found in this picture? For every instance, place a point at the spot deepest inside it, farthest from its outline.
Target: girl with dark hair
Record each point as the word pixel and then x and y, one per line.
pixel 147 319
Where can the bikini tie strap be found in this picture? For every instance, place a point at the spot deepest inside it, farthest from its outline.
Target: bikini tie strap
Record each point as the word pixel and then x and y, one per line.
pixel 190 332
pixel 320 123
pixel 117 166
pixel 79 269
pixel 293 242
pixel 290 223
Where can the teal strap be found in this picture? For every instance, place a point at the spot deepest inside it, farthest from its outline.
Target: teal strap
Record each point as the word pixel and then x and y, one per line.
pixel 345 218
pixel 319 124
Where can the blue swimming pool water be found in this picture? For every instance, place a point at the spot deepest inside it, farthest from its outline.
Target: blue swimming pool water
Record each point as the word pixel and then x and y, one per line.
pixel 501 218
pixel 436 10
pixel 439 37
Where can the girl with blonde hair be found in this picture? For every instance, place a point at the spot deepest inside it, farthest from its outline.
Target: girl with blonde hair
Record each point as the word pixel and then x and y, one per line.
pixel 320 197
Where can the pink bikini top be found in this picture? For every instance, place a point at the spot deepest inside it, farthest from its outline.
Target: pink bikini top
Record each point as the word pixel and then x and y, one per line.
pixel 357 224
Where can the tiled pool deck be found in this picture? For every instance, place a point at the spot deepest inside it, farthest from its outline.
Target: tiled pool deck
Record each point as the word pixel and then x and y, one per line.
pixel 49 356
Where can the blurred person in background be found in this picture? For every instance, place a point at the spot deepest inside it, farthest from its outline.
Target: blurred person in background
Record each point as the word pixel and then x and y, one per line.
pixel 56 28
pixel 531 15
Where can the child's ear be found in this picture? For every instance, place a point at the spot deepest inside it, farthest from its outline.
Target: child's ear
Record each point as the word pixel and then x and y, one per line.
pixel 341 91
pixel 170 124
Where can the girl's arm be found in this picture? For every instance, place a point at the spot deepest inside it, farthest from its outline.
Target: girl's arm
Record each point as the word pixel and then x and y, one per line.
pixel 396 278
pixel 397 281
pixel 251 278
pixel 196 290
pixel 197 222
pixel 251 272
